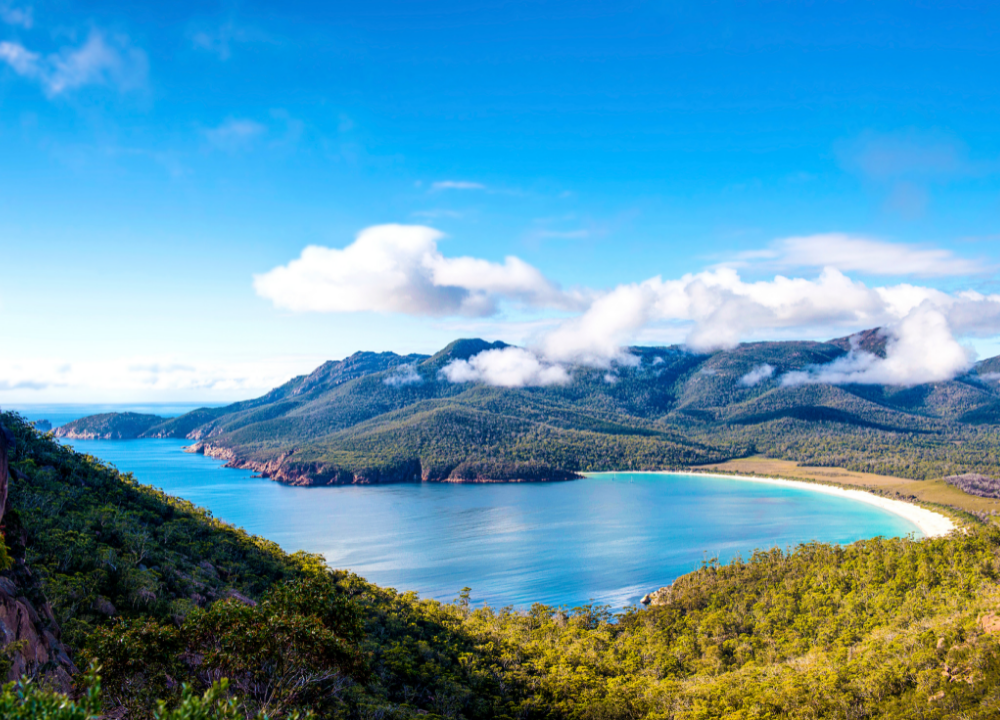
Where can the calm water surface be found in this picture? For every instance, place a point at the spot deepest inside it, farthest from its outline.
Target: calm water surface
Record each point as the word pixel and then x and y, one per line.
pixel 608 538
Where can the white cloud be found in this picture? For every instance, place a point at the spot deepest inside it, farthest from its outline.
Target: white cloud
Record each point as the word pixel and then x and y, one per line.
pixel 457 185
pixel 757 375
pixel 596 338
pixel 398 268
pixel 720 310
pixel 101 60
pixel 850 253
pixel 920 349
pixel 23 61
pixel 404 375
pixel 235 134
pixel 508 367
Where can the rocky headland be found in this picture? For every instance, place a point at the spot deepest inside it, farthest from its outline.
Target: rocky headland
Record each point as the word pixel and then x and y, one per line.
pixel 285 468
pixel 109 426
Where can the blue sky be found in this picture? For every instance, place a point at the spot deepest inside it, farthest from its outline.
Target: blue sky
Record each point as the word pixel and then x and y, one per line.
pixel 157 158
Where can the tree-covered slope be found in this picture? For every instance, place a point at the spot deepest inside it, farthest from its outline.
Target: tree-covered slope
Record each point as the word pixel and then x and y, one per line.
pixel 381 417
pixel 109 426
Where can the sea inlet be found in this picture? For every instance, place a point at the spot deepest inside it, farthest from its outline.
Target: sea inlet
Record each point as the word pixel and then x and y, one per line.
pixel 606 539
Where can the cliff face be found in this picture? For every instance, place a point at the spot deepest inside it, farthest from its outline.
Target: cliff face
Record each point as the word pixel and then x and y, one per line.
pixel 29 633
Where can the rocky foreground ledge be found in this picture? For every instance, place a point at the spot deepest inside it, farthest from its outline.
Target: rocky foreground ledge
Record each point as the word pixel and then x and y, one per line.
pixel 287 468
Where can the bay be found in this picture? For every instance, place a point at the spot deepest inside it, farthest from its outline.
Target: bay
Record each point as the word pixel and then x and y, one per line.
pixel 609 538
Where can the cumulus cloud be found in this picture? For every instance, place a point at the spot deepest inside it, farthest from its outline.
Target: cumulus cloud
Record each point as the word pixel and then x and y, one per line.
pixel 850 253
pixel 508 367
pixel 921 349
pixel 721 310
pixel 101 60
pixel 398 268
pixel 757 375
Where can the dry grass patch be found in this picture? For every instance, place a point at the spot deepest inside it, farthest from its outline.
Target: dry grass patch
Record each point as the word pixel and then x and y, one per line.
pixel 937 492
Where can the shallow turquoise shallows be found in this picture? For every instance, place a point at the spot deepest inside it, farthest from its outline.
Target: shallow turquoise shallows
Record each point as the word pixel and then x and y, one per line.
pixel 608 538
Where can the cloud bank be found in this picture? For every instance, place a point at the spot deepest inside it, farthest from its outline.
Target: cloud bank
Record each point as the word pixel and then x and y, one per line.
pixel 399 269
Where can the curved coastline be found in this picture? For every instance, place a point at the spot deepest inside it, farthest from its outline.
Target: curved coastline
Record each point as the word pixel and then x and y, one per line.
pixel 931 524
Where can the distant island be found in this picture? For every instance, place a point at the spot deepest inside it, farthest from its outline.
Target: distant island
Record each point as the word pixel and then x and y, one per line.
pixel 383 417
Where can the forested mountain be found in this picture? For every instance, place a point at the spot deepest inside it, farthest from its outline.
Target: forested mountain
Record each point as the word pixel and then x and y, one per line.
pixel 382 417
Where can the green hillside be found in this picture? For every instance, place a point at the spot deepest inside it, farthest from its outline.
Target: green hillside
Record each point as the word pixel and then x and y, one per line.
pixel 109 426
pixel 389 418
pixel 190 619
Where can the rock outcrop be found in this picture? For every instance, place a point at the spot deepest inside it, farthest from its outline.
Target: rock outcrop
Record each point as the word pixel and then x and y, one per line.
pixel 29 633
pixel 658 597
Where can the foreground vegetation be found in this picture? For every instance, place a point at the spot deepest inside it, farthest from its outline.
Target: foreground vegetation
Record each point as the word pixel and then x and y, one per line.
pixel 187 618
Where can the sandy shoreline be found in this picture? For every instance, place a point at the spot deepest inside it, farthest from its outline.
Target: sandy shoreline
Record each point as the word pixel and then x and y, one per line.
pixel 930 523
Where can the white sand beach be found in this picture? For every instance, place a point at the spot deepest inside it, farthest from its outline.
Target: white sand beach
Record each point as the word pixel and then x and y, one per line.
pixel 931 524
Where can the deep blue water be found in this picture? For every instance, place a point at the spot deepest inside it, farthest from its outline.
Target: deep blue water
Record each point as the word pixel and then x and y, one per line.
pixel 609 538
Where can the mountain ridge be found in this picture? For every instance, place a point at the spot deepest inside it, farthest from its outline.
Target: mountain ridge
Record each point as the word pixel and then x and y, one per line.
pixel 384 417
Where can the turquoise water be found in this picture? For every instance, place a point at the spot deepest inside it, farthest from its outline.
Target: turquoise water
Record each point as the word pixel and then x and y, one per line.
pixel 607 538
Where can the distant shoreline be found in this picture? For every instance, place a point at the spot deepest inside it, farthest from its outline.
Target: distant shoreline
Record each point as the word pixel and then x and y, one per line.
pixel 931 524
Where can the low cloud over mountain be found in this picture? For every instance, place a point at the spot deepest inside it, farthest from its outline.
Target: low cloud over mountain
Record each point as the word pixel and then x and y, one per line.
pixel 399 269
